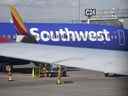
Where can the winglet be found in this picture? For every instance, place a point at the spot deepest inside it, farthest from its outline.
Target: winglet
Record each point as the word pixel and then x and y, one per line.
pixel 17 20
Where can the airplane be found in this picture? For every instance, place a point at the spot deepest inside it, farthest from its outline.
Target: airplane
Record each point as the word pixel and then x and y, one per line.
pixel 102 48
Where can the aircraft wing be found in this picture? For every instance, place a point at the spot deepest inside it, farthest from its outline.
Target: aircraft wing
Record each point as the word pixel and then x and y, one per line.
pixel 86 58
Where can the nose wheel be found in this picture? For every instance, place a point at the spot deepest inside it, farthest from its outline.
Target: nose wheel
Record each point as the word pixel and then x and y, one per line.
pixel 109 74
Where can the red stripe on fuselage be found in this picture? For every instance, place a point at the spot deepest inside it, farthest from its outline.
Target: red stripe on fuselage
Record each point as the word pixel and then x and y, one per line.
pixel 18 27
pixel 4 40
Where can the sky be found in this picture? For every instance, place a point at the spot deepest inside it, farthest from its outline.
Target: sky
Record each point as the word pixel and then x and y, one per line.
pixel 40 10
pixel 93 3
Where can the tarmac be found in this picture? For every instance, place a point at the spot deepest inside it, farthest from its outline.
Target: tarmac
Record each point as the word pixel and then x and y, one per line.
pixel 78 83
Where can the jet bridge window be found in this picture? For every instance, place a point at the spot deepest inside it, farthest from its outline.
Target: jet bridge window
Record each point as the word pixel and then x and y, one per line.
pixel 9 36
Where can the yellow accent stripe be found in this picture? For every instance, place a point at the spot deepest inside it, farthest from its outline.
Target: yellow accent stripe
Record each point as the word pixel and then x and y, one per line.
pixel 18 18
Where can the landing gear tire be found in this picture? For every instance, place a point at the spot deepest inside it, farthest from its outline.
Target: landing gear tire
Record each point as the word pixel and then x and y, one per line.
pixel 109 74
pixel 106 74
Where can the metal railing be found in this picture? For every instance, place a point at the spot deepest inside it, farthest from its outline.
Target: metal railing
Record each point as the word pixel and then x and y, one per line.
pixel 111 14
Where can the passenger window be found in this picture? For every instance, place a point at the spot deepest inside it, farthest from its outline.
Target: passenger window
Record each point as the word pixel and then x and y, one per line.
pixel 3 36
pixel 13 37
pixel 9 36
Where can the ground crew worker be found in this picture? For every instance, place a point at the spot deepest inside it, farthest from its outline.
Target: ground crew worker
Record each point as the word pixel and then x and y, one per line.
pixel 53 70
pixel 59 81
pixel 48 70
pixel 36 72
pixel 9 70
pixel 44 70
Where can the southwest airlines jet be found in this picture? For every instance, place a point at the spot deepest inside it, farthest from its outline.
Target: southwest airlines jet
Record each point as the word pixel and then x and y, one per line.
pixel 89 46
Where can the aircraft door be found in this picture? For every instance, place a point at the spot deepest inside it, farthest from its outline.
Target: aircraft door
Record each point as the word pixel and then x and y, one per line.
pixel 121 37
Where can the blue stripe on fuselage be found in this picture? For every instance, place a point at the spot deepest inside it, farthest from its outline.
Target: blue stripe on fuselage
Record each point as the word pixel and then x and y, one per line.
pixel 45 31
pixel 74 35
